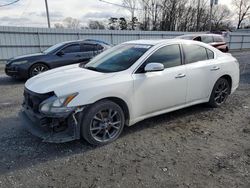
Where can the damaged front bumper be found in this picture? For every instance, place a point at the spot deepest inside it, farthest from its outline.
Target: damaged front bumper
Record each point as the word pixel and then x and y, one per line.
pixel 52 129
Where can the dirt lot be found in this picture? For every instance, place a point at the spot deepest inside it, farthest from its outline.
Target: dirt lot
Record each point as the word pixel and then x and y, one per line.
pixel 193 147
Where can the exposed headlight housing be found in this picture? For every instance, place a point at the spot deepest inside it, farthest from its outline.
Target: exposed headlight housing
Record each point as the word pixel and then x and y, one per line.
pixel 19 62
pixel 57 106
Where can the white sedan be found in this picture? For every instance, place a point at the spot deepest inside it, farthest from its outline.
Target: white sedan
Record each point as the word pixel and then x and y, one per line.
pixel 124 85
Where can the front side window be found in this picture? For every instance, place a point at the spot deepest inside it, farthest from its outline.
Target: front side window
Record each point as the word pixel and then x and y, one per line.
pixel 74 48
pixel 207 39
pixel 53 48
pixel 194 53
pixel 169 56
pixel 118 58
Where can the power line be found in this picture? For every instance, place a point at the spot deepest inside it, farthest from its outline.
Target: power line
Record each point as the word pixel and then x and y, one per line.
pixel 7 4
pixel 119 5
pixel 26 7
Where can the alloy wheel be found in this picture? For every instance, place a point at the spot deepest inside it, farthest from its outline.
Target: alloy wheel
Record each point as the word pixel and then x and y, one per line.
pixel 38 69
pixel 221 93
pixel 106 125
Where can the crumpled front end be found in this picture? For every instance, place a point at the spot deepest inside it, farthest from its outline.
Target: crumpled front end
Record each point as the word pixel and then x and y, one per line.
pixel 57 128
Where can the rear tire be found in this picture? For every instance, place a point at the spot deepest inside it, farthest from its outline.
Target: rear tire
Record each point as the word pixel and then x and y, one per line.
pixel 102 123
pixel 220 93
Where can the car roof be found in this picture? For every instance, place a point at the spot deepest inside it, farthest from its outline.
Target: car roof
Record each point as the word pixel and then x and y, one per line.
pixel 87 41
pixel 202 34
pixel 150 41
pixel 154 42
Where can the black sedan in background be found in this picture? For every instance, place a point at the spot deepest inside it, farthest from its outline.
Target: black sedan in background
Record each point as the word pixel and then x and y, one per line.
pixel 61 54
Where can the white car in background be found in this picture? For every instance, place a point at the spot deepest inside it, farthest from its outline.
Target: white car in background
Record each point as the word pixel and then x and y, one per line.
pixel 124 85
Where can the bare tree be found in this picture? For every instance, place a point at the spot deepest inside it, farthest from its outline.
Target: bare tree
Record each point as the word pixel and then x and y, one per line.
pixel 172 15
pixel 58 25
pixel 221 17
pixel 71 23
pixel 94 24
pixel 131 6
pixel 242 8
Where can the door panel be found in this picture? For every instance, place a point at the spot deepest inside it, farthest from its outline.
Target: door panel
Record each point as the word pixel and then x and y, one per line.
pixel 199 66
pixel 198 76
pixel 155 91
pixel 71 54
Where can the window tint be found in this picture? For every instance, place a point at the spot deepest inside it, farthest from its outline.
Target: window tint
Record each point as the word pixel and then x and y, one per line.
pixel 207 39
pixel 118 58
pixel 197 39
pixel 210 54
pixel 169 56
pixel 87 47
pixel 218 39
pixel 72 49
pixel 194 53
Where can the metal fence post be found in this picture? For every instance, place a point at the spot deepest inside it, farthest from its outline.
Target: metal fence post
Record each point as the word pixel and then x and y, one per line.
pixel 39 42
pixel 242 41
pixel 111 38
pixel 230 38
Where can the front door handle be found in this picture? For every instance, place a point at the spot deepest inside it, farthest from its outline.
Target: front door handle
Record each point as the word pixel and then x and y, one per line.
pixel 181 75
pixel 215 68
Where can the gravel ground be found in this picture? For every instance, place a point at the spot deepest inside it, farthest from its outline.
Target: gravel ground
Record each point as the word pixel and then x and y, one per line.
pixel 193 147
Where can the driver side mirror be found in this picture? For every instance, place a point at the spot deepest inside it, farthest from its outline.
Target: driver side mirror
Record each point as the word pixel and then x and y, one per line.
pixel 60 53
pixel 153 67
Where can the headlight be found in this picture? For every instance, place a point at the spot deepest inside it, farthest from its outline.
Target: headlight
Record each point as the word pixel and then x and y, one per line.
pixel 57 105
pixel 19 62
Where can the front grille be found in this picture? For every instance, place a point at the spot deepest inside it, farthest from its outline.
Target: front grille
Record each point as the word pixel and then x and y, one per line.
pixel 33 100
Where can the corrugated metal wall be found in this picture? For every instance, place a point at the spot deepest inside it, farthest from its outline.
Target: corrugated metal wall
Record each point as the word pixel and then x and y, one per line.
pixel 16 41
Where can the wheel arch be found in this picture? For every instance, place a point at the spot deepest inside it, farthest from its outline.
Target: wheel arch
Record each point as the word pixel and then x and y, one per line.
pixel 123 106
pixel 39 62
pixel 229 79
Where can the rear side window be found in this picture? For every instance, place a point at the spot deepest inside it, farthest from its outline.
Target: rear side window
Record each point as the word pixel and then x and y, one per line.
pixel 194 53
pixel 88 47
pixel 169 56
pixel 218 39
pixel 207 39
pixel 210 54
pixel 74 48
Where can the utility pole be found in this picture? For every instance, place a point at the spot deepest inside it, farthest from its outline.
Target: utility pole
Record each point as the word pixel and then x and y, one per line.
pixel 210 17
pixel 47 12
pixel 198 16
pixel 212 3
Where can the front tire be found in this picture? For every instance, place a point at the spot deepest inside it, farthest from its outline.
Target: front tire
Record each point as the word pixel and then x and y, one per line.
pixel 37 68
pixel 102 123
pixel 220 93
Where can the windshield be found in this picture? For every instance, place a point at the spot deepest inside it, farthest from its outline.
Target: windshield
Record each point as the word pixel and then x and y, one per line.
pixel 52 48
pixel 118 58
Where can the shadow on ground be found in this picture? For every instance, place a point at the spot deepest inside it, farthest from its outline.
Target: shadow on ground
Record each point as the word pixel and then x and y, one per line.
pixel 5 80
pixel 19 149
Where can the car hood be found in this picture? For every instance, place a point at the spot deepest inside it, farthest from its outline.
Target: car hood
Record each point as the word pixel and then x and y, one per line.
pixel 65 78
pixel 24 57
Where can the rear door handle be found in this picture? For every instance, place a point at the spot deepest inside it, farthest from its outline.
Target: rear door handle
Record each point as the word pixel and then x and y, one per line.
pixel 215 68
pixel 181 75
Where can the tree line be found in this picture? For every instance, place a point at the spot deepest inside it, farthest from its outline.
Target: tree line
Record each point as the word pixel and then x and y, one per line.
pixel 171 15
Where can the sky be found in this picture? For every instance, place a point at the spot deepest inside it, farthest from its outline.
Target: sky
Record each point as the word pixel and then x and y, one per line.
pixel 32 12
